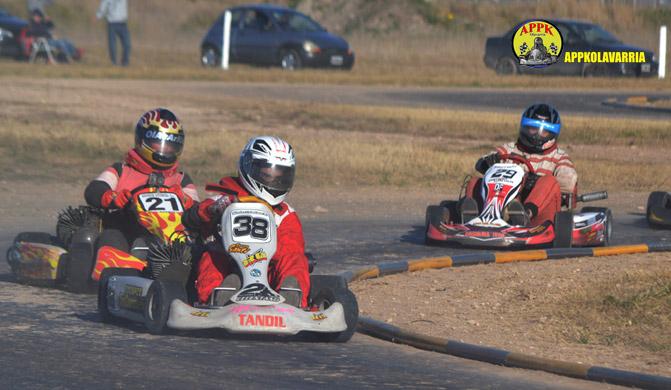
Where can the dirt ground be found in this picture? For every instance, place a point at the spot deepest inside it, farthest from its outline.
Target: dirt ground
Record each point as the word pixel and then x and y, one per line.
pixel 526 307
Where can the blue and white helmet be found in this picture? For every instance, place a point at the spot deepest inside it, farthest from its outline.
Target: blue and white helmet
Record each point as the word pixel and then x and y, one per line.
pixel 539 127
pixel 267 167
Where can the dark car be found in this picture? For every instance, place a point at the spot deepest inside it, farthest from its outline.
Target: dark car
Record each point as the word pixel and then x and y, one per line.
pixel 577 37
pixel 272 35
pixel 11 34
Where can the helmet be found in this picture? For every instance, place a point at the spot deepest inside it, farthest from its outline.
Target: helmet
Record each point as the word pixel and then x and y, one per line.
pixel 267 167
pixel 539 127
pixel 159 138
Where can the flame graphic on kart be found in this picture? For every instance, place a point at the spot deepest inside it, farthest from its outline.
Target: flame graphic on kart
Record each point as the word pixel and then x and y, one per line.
pixel 115 258
pixel 159 211
pixel 38 261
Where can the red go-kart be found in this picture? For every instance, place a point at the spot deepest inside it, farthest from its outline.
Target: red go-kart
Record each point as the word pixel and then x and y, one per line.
pixel 495 227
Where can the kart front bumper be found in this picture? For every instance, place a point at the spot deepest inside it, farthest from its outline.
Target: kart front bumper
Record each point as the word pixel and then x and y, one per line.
pixel 281 319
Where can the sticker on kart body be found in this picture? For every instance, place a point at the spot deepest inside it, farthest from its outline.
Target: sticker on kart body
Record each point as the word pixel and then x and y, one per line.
pixel 257 292
pixel 319 317
pixel 250 226
pixel 238 248
pixel 262 320
pixel 200 313
pixel 259 255
pixel 131 298
pixel 163 202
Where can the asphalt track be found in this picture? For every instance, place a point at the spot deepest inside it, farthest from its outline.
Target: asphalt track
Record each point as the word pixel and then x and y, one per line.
pixel 485 99
pixel 54 339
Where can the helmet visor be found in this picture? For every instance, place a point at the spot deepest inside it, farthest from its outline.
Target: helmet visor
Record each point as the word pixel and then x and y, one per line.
pixel 538 127
pixel 276 178
pixel 165 147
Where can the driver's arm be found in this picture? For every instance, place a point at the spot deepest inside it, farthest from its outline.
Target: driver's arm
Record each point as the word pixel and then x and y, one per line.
pixel 105 182
pixel 567 177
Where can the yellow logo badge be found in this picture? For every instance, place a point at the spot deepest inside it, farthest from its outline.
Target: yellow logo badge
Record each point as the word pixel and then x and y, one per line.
pixel 537 43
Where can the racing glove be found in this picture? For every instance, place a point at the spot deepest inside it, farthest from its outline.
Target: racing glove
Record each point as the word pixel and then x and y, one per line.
pixel 486 162
pixel 115 200
pixel 211 209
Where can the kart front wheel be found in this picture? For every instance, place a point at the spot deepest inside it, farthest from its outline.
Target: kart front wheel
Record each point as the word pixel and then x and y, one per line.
pixel 435 215
pixel 563 229
pixel 328 296
pixel 157 304
pixel 103 284
pixel 608 222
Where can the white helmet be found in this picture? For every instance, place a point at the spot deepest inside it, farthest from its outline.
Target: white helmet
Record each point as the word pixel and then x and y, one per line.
pixel 266 168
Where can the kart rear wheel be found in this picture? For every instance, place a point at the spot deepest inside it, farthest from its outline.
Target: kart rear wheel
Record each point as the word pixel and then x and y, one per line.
pixel 657 212
pixel 78 269
pixel 608 225
pixel 328 296
pixel 105 276
pixel 563 229
pixel 435 215
pixel 157 304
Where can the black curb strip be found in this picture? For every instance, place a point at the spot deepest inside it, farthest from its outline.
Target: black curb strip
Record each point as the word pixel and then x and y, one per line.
pixel 392 268
pixel 620 104
pixel 659 247
pixel 394 334
pixel 473 259
pixel 562 253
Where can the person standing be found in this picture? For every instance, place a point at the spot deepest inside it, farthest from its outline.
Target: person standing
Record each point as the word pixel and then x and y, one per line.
pixel 116 14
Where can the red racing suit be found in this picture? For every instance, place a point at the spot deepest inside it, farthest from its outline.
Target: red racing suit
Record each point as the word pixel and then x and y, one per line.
pixel 289 259
pixel 557 175
pixel 133 173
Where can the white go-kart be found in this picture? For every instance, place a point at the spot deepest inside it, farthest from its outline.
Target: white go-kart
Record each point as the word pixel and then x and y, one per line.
pixel 162 296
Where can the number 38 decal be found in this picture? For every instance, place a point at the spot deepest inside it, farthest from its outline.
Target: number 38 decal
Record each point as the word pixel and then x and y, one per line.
pixel 249 228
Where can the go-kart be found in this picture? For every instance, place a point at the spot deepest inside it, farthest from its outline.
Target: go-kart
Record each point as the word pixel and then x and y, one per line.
pixel 161 294
pixel 658 210
pixel 68 259
pixel 493 226
pixel 43 259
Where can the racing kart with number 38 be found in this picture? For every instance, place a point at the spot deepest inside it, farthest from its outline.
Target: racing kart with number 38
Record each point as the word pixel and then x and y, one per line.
pixel 159 293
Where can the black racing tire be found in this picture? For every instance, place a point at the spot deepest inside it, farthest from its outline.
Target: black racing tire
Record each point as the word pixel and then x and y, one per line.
pixel 157 304
pixel 78 268
pixel 657 211
pixel 434 216
pixel 324 298
pixel 35 237
pixel 210 57
pixel 609 221
pixel 290 59
pixel 321 282
pixel 563 226
pixel 105 276
pixel 506 66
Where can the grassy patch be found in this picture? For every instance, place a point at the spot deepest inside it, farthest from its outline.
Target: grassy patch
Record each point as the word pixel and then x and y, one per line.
pixel 630 310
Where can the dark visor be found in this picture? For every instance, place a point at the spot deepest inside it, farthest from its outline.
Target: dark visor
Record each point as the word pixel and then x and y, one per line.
pixel 274 177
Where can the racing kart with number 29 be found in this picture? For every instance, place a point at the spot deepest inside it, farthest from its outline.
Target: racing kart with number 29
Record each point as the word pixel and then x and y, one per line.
pixel 159 293
pixel 493 227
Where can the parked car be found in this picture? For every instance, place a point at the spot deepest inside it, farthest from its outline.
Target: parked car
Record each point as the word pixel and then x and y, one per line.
pixel 12 30
pixel 276 36
pixel 577 37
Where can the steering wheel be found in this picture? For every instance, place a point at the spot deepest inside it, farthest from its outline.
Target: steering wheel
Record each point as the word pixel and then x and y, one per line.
pixel 519 159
